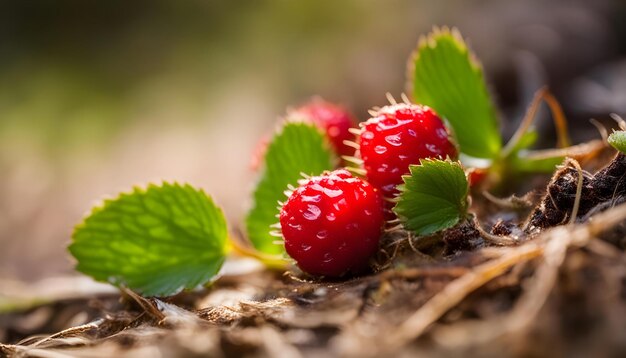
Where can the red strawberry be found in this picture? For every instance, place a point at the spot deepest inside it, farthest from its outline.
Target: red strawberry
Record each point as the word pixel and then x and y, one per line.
pixel 399 135
pixel 334 120
pixel 477 176
pixel 332 224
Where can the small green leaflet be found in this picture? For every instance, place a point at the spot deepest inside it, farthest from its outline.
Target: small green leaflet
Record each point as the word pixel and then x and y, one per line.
pixel 156 241
pixel 433 197
pixel 297 148
pixel 446 76
pixel 617 139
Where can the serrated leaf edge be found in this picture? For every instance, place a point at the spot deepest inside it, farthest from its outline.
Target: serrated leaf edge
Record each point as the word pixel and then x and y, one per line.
pixel 138 189
pixel 429 40
pixel 425 161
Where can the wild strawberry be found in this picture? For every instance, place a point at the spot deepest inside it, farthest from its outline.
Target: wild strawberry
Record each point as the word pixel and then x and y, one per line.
pixel 477 176
pixel 399 135
pixel 334 120
pixel 331 224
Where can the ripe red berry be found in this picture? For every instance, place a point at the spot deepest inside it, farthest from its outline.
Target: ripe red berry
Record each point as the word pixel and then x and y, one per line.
pixel 399 135
pixel 332 224
pixel 477 176
pixel 334 120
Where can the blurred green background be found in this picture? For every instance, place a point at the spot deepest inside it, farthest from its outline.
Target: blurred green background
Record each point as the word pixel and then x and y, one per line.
pixel 96 96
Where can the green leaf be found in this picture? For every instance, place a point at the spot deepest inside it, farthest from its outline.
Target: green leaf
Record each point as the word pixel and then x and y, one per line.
pixel 156 241
pixel 433 197
pixel 297 148
pixel 446 76
pixel 617 139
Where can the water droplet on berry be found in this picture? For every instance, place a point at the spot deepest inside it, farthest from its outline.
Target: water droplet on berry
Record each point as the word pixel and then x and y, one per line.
pixel 394 140
pixel 343 173
pixel 367 212
pixel 297 227
pixel 367 135
pixel 311 198
pixel 412 133
pixel 312 212
pixel 322 234
pixel 386 123
pixel 432 148
pixel 340 204
pixel 441 133
pixel 331 217
pixel 332 193
pixel 380 149
pixel 327 258
pixel 404 112
pixel 305 247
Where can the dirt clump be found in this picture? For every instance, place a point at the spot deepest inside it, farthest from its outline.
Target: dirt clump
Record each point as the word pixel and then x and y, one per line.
pixel 601 190
pixel 463 237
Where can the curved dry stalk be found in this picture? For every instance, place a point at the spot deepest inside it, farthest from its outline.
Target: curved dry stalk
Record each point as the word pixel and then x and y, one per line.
pixel 545 278
pixel 558 117
pixel 455 292
pixel 513 202
pixel 145 304
pixel 552 245
pixel 494 239
pixel 410 240
pixel 70 336
pixel 533 299
pixel 560 122
pixel 582 152
pixel 72 331
pixel 619 120
pixel 601 129
pixel 525 310
pixel 579 189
